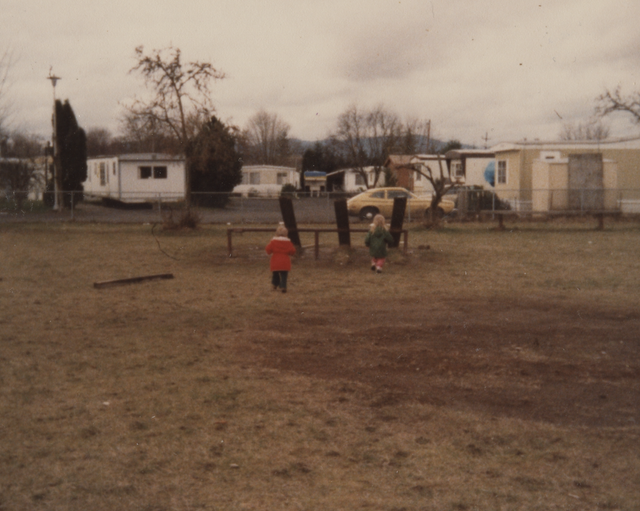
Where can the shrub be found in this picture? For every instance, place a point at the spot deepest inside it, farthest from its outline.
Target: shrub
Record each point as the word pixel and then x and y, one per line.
pixel 288 190
pixel 477 199
pixel 188 219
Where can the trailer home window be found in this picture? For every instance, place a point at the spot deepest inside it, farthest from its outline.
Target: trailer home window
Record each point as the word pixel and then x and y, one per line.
pixel 144 172
pixel 502 172
pixel 159 172
pixel 103 174
pixel 458 171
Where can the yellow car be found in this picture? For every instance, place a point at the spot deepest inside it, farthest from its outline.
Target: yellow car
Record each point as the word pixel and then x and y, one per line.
pixel 380 200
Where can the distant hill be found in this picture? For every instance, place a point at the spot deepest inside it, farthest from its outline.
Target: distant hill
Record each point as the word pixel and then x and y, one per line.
pixel 300 146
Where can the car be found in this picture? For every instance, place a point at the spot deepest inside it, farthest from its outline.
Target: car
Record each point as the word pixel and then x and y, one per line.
pixel 380 200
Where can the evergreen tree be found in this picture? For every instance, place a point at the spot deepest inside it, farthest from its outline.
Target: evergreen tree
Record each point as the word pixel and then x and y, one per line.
pixel 214 161
pixel 72 153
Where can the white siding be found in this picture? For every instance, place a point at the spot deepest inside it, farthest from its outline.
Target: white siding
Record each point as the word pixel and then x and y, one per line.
pixel 266 180
pixel 119 178
pixel 134 187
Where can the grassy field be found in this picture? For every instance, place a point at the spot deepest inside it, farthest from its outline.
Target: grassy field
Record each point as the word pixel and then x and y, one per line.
pixel 482 370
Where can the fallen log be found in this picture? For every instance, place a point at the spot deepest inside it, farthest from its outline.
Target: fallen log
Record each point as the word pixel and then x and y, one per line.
pixel 132 280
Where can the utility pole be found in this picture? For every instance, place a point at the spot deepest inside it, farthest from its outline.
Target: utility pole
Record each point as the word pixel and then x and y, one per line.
pixel 56 152
pixel 486 139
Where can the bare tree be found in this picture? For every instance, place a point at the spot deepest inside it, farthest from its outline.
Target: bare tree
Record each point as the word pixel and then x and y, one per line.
pixel 5 66
pixel 384 134
pixel 367 139
pixel 593 129
pixel 140 134
pixel 99 142
pixel 416 137
pixel 441 182
pixel 351 138
pixel 610 102
pixel 179 94
pixel 265 139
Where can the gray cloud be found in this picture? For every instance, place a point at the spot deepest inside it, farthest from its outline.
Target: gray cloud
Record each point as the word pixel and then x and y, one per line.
pixel 472 66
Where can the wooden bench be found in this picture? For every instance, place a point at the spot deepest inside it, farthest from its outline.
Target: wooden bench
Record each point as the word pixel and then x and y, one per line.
pixel 315 231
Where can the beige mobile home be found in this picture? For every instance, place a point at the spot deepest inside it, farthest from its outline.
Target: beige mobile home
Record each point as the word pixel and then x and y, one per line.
pixel 521 169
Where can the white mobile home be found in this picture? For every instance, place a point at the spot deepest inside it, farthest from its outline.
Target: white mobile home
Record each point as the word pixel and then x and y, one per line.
pixel 136 177
pixel 355 181
pixel 472 167
pixel 427 162
pixel 266 180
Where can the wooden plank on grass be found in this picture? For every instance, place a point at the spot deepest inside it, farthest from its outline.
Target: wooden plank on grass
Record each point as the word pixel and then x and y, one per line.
pixel 132 280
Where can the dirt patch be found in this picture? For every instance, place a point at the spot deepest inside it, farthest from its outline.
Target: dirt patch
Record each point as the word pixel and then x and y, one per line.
pixel 524 359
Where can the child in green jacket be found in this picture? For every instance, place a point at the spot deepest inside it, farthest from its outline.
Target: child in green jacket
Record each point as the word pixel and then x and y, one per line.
pixel 377 240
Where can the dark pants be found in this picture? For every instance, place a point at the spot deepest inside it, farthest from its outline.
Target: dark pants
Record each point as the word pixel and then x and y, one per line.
pixel 279 279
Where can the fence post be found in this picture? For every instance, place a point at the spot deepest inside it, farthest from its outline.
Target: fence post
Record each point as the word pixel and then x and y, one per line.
pixel 397 219
pixel 73 204
pixel 342 222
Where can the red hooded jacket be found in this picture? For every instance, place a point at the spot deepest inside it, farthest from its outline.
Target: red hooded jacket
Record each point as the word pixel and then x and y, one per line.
pixel 280 248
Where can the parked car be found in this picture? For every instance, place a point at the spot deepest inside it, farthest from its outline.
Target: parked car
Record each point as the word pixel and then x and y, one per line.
pixel 380 200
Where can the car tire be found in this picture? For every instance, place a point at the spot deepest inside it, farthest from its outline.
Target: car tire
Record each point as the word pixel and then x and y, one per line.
pixel 368 213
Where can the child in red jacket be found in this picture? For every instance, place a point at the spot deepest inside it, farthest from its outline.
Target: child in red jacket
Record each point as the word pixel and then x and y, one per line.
pixel 280 249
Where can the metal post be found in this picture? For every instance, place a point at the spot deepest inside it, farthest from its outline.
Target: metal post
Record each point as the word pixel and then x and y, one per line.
pixel 229 245
pixel 56 161
pixel 317 244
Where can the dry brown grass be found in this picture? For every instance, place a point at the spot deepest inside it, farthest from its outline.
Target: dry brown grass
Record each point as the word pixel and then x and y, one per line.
pixel 209 391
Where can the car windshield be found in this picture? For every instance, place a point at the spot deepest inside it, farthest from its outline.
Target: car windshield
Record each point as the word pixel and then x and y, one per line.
pixel 392 194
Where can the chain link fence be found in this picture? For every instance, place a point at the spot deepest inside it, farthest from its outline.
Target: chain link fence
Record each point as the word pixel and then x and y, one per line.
pixel 227 208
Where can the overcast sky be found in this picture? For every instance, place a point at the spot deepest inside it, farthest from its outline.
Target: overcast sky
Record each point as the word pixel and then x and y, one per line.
pixel 511 69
